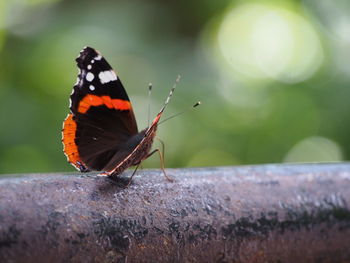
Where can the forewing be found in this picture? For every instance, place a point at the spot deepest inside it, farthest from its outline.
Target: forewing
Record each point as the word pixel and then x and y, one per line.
pixel 100 110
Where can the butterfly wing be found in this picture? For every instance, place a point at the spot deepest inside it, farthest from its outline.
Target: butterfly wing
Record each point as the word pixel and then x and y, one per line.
pixel 101 117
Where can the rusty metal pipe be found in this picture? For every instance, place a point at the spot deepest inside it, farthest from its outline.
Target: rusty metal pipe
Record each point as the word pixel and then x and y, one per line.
pixel 268 213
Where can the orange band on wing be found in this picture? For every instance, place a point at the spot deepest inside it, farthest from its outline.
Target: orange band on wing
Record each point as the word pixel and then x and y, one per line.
pixel 93 100
pixel 68 139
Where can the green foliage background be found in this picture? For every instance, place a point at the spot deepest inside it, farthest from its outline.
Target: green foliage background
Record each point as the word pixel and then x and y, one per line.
pixel 273 77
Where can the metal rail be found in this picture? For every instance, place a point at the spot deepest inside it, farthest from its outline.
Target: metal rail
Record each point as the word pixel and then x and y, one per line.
pixel 268 213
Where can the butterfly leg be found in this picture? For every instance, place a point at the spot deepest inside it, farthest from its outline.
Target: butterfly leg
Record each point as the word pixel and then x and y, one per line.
pixel 163 146
pixel 161 163
pixel 130 180
pixel 162 158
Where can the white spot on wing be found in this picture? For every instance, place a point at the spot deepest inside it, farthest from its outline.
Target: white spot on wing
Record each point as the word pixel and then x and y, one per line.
pixel 89 76
pixel 98 57
pixel 107 76
pixel 89 67
pixel 92 61
pixel 92 87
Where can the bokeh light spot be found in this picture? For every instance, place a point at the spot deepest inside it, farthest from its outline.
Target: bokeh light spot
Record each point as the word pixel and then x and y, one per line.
pixel 265 41
pixel 315 149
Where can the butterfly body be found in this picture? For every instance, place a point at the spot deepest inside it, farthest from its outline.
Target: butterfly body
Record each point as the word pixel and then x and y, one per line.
pixel 138 154
pixel 100 132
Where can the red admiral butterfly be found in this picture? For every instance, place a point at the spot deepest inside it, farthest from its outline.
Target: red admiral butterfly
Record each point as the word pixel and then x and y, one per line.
pixel 100 132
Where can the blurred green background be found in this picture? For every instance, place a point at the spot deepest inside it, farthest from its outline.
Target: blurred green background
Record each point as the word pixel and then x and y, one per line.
pixel 273 76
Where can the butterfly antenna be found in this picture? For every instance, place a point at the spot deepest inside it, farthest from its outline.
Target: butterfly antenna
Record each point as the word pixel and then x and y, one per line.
pixel 149 102
pixel 170 94
pixel 177 114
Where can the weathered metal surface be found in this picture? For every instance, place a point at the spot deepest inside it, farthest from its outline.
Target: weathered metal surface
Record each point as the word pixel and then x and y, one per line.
pixel 271 213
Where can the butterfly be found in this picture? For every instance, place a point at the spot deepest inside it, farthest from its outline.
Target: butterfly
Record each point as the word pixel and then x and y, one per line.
pixel 100 132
